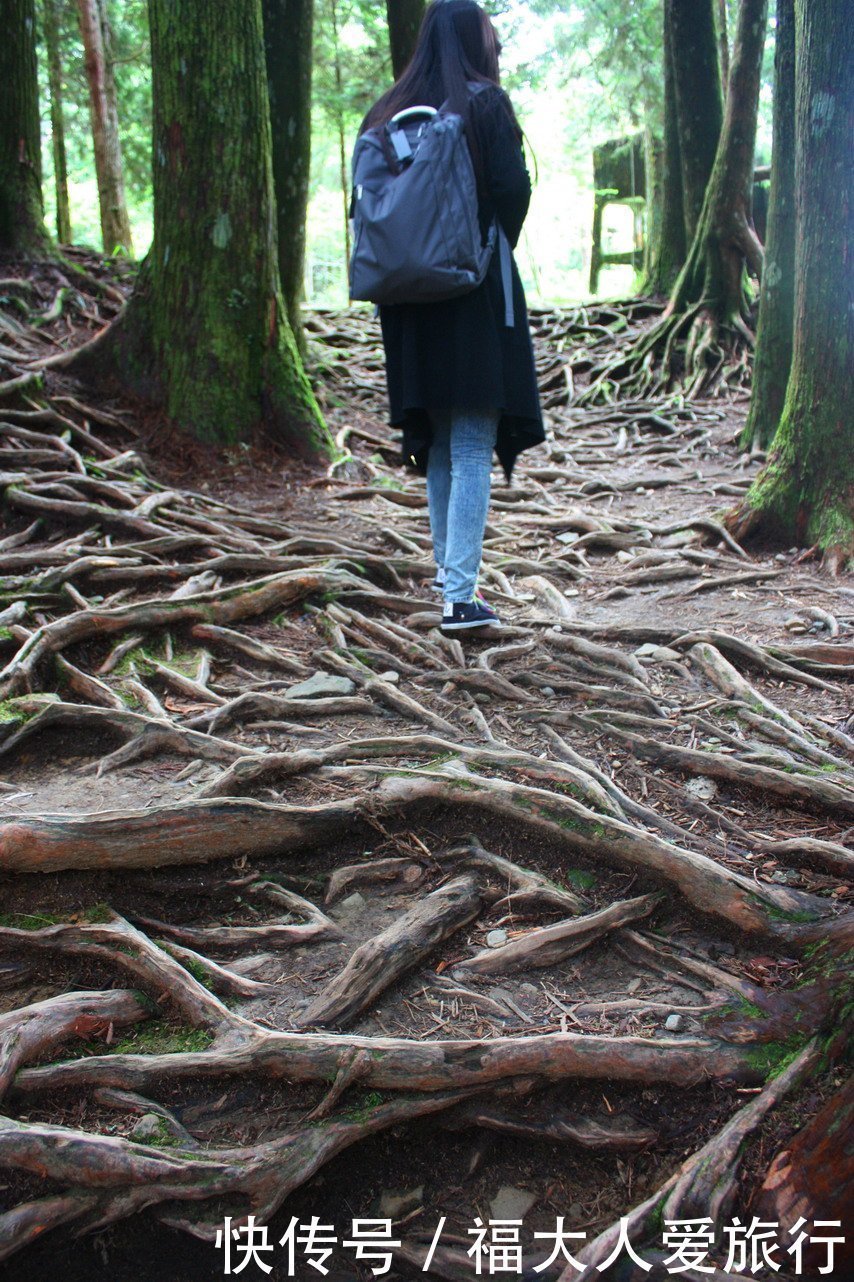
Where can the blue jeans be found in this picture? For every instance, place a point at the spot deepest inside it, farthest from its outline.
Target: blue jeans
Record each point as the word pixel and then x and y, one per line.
pixel 458 478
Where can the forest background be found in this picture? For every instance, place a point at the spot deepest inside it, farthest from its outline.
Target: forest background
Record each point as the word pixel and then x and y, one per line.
pixel 580 72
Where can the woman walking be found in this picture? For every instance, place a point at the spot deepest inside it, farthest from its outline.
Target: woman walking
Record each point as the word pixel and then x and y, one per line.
pixel 460 372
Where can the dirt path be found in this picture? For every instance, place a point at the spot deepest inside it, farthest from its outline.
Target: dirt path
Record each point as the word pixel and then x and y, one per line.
pixel 519 923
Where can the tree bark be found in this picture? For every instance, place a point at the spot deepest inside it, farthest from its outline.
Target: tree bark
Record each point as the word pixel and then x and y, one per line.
pixel 95 32
pixel 724 240
pixel 341 133
pixel 404 23
pixel 206 331
pixel 699 101
pixel 777 303
pixel 57 122
pixel 288 31
pixel 22 228
pixel 667 245
pixel 723 43
pixel 813 1177
pixel 806 492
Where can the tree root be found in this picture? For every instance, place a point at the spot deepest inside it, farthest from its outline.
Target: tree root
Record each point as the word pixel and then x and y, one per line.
pixel 384 958
pixel 552 944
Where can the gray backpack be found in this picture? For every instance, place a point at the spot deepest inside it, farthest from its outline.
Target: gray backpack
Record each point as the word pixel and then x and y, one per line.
pixel 416 233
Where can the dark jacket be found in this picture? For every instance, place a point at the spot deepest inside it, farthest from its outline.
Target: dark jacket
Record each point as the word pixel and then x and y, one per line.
pixel 460 354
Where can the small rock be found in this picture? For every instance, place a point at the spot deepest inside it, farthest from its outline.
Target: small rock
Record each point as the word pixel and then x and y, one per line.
pixel 395 1203
pixel 529 988
pixel 548 691
pixel 480 697
pixel 321 685
pixel 496 938
pixel 575 1212
pixel 633 985
pixel 568 536
pixel 663 652
pixel 149 1127
pixel 673 1023
pixel 785 878
pixel 511 1204
pixel 351 906
pixel 647 650
pixel 702 788
pixel 390 676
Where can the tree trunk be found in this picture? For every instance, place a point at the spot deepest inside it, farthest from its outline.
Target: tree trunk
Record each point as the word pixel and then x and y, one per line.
pixel 206 332
pixel 777 303
pixel 342 136
pixel 813 1178
pixel 712 281
pixel 288 33
pixel 806 492
pixel 723 43
pixel 22 228
pixel 57 122
pixel 95 31
pixel 666 236
pixel 699 102
pixel 404 23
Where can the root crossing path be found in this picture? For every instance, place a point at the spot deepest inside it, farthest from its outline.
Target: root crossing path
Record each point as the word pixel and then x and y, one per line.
pixel 548 921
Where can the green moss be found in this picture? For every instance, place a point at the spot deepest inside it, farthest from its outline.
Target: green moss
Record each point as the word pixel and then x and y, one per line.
pixel 27 921
pixel 770 1059
pixel 579 879
pixel 157 1038
pixel 98 914
pixel 361 1112
pixel 783 914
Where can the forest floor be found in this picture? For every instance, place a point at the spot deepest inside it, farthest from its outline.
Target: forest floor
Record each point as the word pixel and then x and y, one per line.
pixel 507 926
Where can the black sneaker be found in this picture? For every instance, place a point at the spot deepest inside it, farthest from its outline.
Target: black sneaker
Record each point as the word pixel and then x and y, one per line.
pixel 458 616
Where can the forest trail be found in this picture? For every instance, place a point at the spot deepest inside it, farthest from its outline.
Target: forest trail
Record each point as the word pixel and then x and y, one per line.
pixel 528 918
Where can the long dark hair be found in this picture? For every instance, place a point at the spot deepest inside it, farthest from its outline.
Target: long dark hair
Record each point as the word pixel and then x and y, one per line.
pixel 457 45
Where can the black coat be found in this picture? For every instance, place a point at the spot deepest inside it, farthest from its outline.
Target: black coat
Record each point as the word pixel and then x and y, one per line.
pixel 460 354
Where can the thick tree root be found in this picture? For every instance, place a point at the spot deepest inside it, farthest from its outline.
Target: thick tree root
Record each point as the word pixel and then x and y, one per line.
pixel 380 961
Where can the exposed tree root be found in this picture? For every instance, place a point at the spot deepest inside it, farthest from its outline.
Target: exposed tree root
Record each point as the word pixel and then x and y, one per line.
pixel 144 622
pixel 381 960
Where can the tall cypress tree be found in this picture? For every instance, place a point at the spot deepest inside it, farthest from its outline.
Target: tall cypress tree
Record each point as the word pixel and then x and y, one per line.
pixel 777 301
pixel 206 331
pixel 22 226
pixel 288 31
pixel 693 44
pixel 103 112
pixel 805 494
pixel 404 23
pixel 50 10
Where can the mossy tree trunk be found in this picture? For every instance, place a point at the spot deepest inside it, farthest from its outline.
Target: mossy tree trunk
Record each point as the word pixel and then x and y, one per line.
pixel 404 23
pixel 723 43
pixel 206 332
pixel 712 285
pixel 777 301
pixel 57 121
pixel 805 494
pixel 288 32
pixel 103 111
pixel 699 101
pixel 666 228
pixel 22 228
